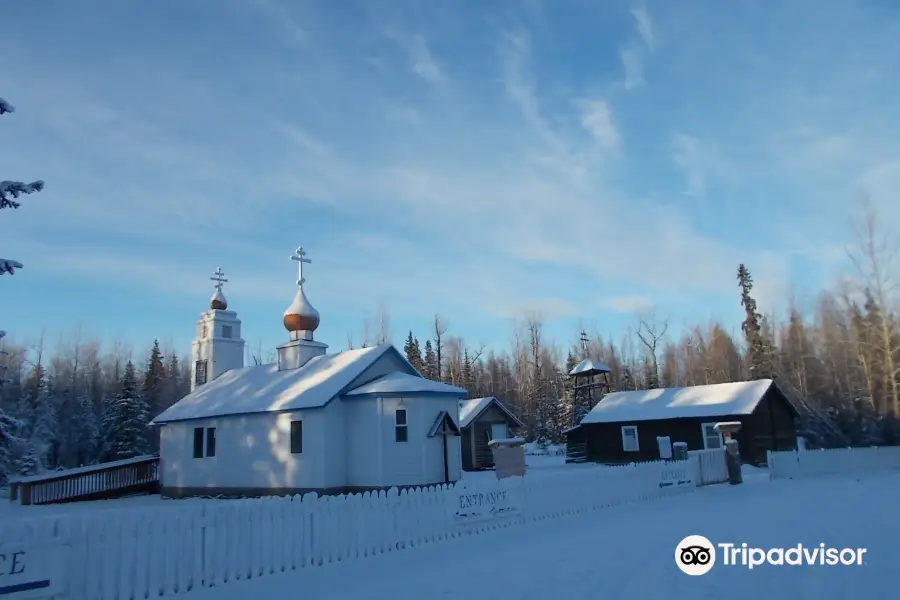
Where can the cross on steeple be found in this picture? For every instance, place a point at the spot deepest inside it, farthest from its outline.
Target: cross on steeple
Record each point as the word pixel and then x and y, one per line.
pixel 584 341
pixel 300 256
pixel 219 278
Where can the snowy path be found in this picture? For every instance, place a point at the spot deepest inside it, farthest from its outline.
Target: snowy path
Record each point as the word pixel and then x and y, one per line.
pixel 628 552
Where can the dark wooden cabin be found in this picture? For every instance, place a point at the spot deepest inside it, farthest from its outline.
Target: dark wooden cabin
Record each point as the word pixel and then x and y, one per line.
pixel 624 426
pixel 480 421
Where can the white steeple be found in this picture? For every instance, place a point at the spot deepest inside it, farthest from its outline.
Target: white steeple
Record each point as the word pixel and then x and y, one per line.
pixel 301 321
pixel 218 346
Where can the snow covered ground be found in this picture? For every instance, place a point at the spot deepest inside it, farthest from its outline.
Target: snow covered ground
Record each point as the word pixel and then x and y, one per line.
pixel 628 552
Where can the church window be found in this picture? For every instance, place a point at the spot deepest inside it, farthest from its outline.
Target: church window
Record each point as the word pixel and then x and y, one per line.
pixel 210 441
pixel 198 442
pixel 226 331
pixel 296 437
pixel 200 372
pixel 401 429
pixel 205 331
pixel 207 435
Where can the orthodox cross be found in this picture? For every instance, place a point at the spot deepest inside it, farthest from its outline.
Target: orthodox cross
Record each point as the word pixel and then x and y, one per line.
pixel 219 278
pixel 584 341
pixel 300 256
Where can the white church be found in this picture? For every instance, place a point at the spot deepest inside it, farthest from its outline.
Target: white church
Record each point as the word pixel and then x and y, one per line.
pixel 331 423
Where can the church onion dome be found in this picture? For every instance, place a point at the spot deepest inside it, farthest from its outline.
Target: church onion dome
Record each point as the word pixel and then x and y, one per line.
pixel 300 315
pixel 218 301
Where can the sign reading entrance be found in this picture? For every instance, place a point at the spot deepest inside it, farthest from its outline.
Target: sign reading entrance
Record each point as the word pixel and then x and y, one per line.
pixel 675 475
pixel 485 503
pixel 30 572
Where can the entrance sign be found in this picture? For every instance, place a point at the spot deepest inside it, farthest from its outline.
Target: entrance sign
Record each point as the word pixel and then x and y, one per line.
pixel 32 572
pixel 675 475
pixel 484 503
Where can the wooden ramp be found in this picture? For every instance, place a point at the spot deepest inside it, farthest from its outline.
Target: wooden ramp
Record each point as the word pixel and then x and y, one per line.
pixel 96 482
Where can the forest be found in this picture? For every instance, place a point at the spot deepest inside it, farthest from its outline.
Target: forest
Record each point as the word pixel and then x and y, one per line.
pixel 83 401
pixel 80 404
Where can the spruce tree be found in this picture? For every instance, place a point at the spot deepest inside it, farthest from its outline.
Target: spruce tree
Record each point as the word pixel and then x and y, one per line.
pixel 10 192
pixel 414 353
pixel 759 348
pixel 154 390
pixel 10 442
pixel 430 366
pixel 130 427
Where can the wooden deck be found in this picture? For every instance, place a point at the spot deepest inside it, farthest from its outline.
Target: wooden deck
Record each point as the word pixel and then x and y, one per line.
pixel 95 482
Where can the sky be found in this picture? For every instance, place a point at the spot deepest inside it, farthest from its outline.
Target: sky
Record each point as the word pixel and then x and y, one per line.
pixel 582 160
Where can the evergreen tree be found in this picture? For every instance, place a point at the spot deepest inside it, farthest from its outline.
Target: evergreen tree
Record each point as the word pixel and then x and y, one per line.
pixel 9 444
pixel 43 427
pixel 84 425
pixel 174 383
pixel 154 389
pixel 468 374
pixel 628 380
pixel 128 437
pixel 414 353
pixel 759 349
pixel 10 192
pixel 430 363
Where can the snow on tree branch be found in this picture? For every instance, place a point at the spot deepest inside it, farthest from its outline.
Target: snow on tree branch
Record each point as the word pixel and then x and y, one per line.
pixel 9 266
pixel 9 190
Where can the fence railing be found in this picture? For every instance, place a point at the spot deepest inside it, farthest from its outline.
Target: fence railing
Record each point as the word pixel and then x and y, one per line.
pixel 94 482
pixel 182 545
pixel 809 463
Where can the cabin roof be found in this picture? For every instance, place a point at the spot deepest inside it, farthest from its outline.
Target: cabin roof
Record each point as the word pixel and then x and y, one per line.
pixel 469 410
pixel 588 366
pixel 401 383
pixel 263 388
pixel 716 400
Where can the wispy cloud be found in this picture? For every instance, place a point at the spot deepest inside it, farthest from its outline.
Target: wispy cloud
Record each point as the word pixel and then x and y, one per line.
pixel 634 71
pixel 699 161
pixel 423 64
pixel 644 27
pixel 627 304
pixel 596 118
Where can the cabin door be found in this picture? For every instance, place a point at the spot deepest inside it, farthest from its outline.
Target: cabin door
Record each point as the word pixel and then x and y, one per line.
pixel 712 440
pixel 499 431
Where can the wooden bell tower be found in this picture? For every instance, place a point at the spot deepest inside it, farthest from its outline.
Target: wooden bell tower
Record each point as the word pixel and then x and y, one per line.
pixel 590 381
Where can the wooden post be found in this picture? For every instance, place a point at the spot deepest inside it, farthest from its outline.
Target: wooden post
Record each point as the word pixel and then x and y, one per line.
pixel 446 461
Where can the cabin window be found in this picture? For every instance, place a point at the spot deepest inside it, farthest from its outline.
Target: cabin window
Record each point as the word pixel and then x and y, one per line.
pixel 630 439
pixel 198 442
pixel 296 437
pixel 712 440
pixel 226 331
pixel 205 435
pixel 401 429
pixel 200 372
pixel 210 441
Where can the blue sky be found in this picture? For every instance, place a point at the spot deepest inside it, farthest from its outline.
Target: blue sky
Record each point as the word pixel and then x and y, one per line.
pixel 579 158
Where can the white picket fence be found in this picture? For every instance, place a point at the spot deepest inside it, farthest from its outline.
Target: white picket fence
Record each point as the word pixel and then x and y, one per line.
pixel 709 466
pixel 181 545
pixel 810 463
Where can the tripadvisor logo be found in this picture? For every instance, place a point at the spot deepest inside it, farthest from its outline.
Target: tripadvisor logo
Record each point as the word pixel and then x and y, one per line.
pixel 696 555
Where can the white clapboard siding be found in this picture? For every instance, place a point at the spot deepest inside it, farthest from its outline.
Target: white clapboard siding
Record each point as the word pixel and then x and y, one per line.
pixel 836 461
pixel 183 545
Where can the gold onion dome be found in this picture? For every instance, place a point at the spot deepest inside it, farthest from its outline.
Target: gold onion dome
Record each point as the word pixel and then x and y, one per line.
pixel 300 315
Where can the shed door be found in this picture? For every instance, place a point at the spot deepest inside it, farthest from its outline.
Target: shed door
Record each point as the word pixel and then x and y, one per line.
pixel 498 431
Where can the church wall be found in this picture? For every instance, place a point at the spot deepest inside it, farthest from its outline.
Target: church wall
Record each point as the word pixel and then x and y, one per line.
pixel 336 445
pixel 363 441
pixel 420 460
pixel 252 452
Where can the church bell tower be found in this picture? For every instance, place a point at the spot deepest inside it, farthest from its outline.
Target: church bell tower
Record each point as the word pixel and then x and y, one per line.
pixel 218 346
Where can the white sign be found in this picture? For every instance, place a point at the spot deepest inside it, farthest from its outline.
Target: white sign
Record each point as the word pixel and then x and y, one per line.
pixel 32 572
pixel 479 504
pixel 675 475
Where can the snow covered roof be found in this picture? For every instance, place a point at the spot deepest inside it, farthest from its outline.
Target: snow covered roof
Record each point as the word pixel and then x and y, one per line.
pixel 264 388
pixel 587 366
pixel 470 409
pixel 716 400
pixel 403 383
